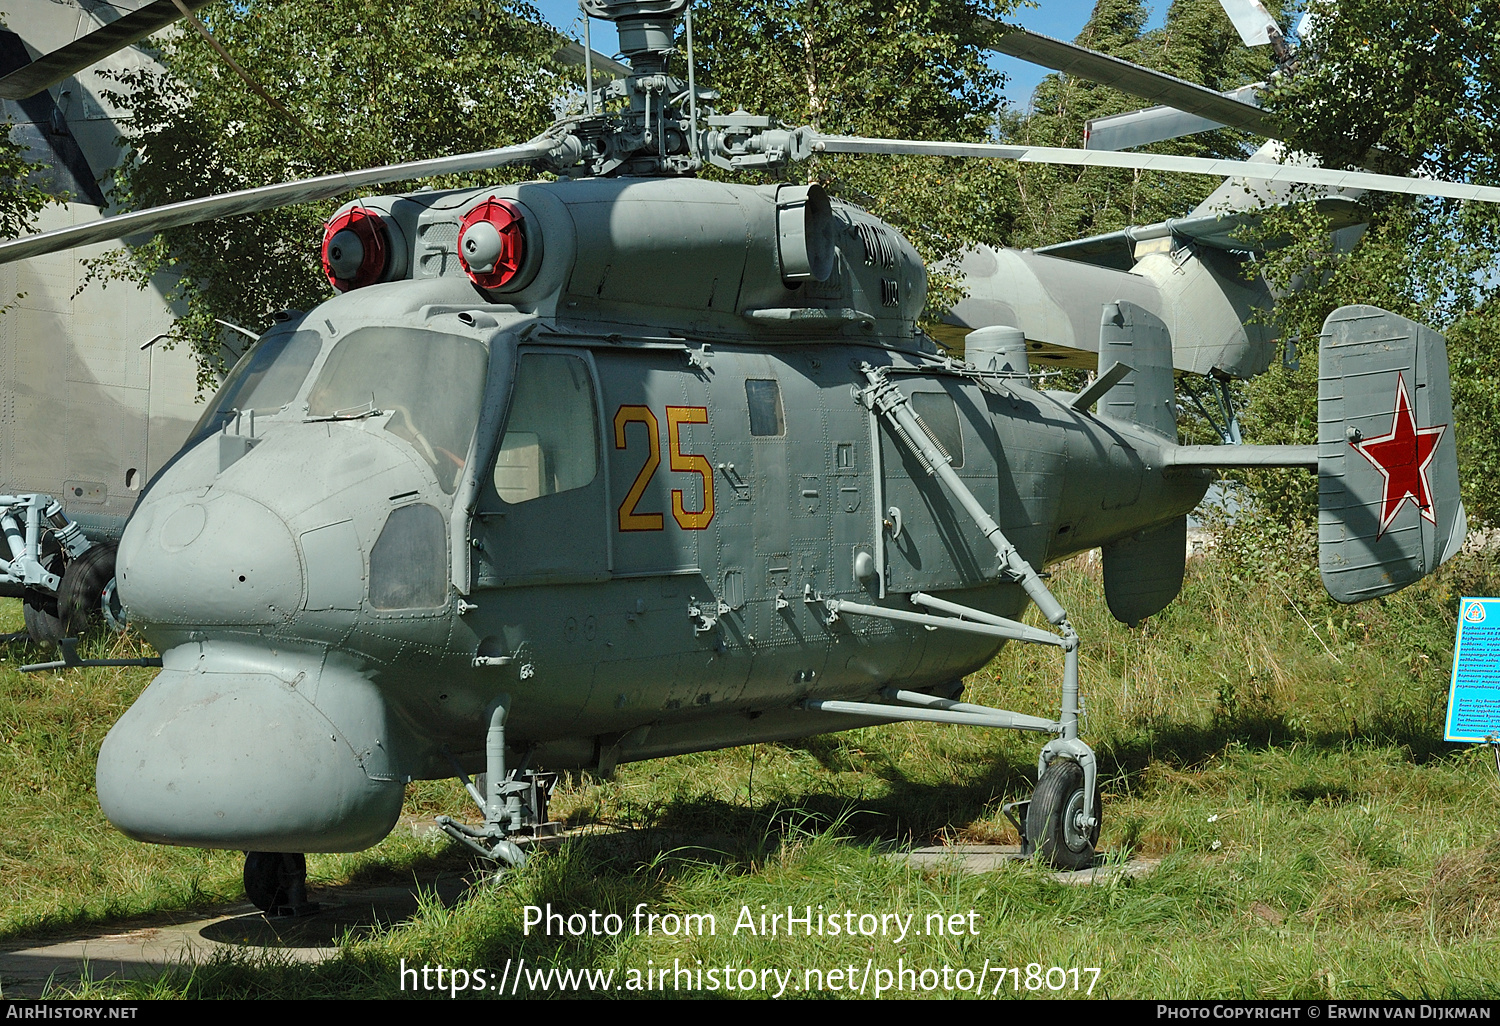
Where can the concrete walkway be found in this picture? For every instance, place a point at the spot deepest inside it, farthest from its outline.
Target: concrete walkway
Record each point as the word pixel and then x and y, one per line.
pixel 986 858
pixel 144 948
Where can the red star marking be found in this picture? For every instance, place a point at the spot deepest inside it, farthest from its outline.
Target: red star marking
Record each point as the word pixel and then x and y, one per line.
pixel 1403 457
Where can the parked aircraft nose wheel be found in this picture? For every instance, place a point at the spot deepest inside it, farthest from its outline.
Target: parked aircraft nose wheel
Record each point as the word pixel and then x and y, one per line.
pixel 1054 821
pixel 276 882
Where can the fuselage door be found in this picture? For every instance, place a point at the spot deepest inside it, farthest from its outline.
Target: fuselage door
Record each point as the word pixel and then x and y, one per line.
pixel 541 505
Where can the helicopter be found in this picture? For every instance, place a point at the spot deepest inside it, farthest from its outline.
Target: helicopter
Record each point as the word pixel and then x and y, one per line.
pixel 633 463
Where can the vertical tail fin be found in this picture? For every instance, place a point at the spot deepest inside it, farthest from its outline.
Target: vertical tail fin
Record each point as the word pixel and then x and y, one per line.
pixel 1388 502
pixel 1142 573
pixel 1136 337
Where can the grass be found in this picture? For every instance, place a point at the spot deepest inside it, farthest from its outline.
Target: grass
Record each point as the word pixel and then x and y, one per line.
pixel 1279 754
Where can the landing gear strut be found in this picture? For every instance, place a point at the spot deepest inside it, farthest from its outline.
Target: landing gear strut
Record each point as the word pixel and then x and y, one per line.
pixel 1061 822
pixel 276 882
pixel 514 802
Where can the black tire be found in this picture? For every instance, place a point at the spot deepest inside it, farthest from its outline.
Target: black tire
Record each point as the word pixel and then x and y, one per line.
pixel 82 588
pixel 43 624
pixel 275 880
pixel 1051 818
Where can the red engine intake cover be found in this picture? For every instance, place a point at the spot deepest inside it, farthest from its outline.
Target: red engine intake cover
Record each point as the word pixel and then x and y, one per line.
pixel 508 251
pixel 367 227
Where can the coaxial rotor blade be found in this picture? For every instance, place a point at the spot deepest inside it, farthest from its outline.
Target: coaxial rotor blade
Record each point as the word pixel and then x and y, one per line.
pixel 1134 79
pixel 1154 124
pixel 1326 177
pixel 52 68
pixel 548 146
pixel 570 52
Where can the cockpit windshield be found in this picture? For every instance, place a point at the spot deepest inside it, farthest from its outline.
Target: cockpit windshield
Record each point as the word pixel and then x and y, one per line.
pixel 432 384
pixel 265 379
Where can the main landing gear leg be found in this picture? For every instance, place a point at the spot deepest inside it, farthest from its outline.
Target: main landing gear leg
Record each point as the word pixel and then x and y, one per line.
pixel 514 803
pixel 1061 822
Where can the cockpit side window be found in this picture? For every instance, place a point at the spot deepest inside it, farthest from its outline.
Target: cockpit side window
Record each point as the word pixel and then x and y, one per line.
pixel 432 385
pixel 551 440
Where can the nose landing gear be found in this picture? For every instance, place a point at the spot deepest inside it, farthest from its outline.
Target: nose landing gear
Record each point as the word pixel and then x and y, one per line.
pixel 276 882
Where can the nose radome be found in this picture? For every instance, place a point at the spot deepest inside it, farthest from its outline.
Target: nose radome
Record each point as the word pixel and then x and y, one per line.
pixel 230 757
pixel 221 559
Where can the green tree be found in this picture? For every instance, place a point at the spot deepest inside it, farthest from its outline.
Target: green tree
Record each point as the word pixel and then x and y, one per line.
pixel 1399 87
pixel 912 69
pixel 20 199
pixel 359 83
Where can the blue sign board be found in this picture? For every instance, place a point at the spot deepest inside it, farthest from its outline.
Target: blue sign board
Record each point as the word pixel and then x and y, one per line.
pixel 1474 694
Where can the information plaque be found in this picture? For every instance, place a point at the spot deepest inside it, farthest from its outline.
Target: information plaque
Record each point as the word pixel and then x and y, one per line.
pixel 1474 694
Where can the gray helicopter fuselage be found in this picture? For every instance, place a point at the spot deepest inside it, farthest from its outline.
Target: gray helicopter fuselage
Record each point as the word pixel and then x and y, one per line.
pixel 422 499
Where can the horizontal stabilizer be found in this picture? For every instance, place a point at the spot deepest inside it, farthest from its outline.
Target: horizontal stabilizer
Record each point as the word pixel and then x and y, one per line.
pixel 1216 457
pixel 1388 501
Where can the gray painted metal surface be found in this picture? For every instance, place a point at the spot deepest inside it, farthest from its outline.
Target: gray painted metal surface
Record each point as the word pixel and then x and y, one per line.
pixel 1198 290
pixel 1388 501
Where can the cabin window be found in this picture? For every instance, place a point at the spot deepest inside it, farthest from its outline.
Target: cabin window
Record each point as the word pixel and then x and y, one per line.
pixel 266 378
pixel 764 399
pixel 431 384
pixel 551 441
pixel 939 416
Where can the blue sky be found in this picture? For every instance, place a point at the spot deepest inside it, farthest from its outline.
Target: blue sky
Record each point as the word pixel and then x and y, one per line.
pixel 1062 20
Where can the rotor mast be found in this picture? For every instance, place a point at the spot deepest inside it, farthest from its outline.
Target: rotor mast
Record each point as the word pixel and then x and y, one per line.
pixel 649 133
pixel 656 130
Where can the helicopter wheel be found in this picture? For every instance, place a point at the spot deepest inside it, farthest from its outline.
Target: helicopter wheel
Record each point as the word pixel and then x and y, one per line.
pixel 43 624
pixel 79 596
pixel 276 882
pixel 39 610
pixel 1054 818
